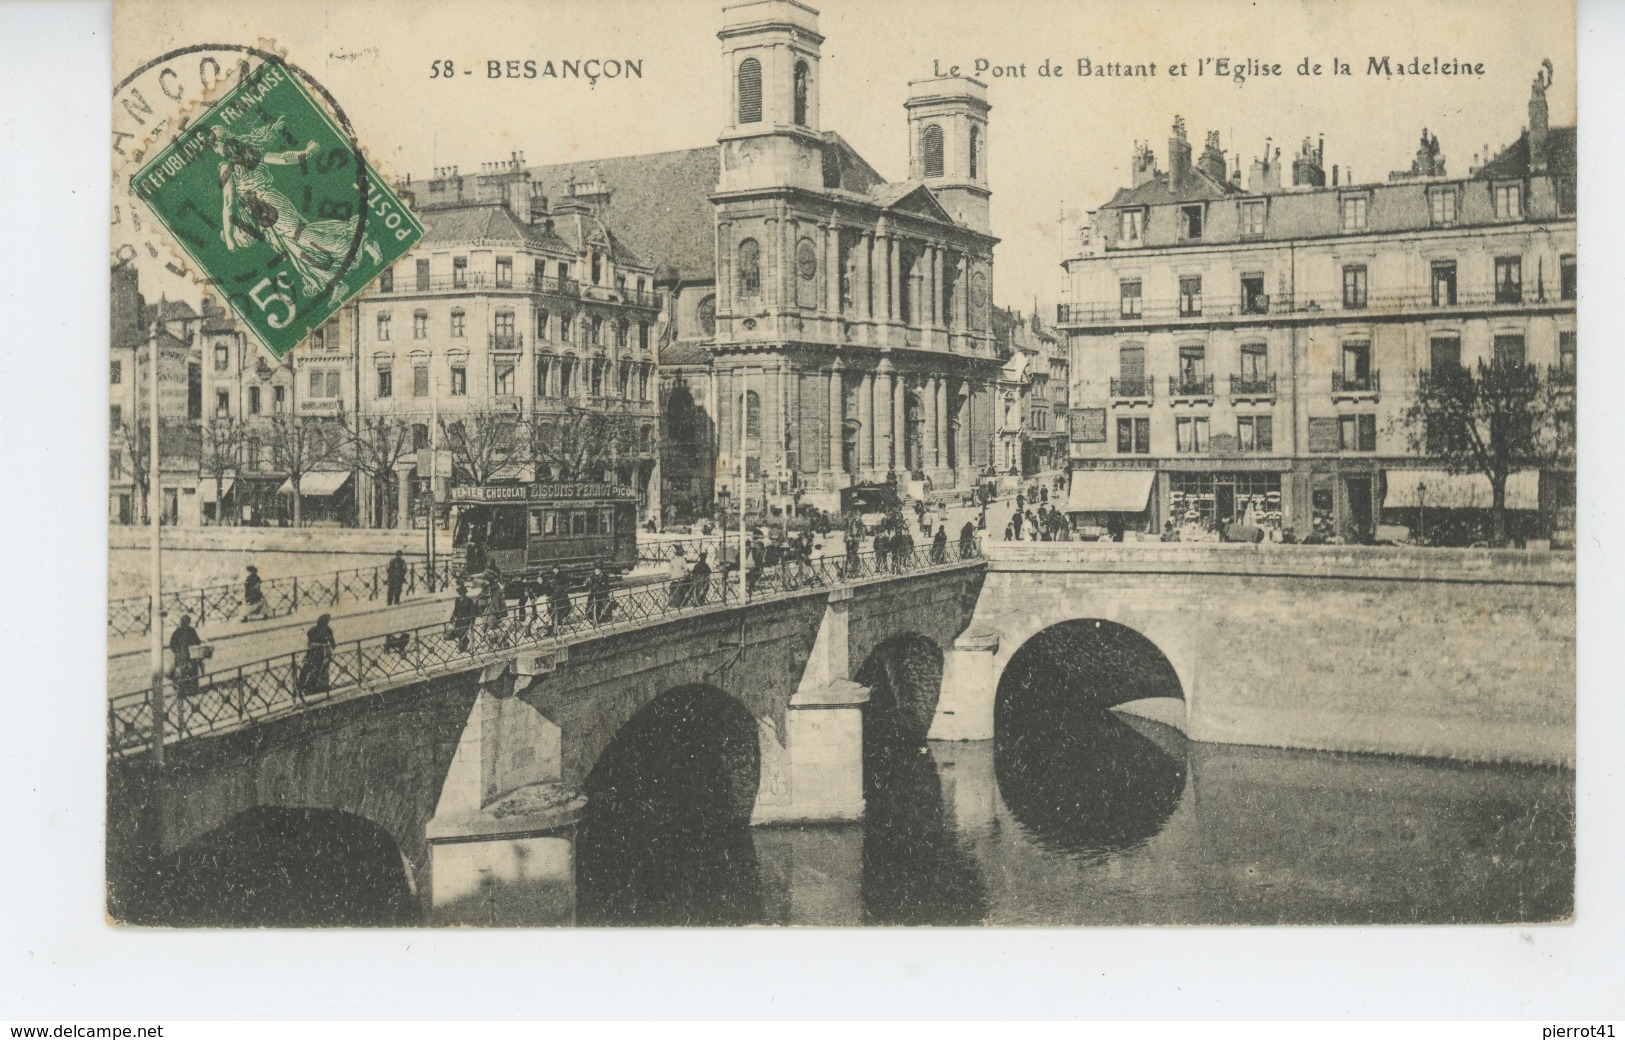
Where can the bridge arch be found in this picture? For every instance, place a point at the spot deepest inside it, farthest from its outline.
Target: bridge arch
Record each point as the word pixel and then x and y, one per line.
pixel 665 836
pixel 1072 771
pixel 288 867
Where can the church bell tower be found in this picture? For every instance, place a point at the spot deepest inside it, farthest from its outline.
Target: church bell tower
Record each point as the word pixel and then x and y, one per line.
pixel 770 53
pixel 948 146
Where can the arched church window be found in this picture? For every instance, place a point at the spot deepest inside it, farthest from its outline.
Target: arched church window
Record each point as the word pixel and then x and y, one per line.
pixel 801 93
pixel 975 149
pixel 750 91
pixel 753 414
pixel 931 150
pixel 750 267
pixel 707 316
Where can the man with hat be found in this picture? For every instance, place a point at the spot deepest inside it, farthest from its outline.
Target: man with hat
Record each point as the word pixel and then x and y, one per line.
pixel 395 578
pixel 253 596
pixel 463 611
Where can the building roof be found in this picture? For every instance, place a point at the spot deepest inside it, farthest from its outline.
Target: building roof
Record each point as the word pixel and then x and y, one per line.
pixel 174 310
pixel 1513 160
pixel 487 222
pixel 685 352
pixel 659 204
pixel 1195 186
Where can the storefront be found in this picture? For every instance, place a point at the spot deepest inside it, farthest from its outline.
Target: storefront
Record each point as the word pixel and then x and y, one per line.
pixel 1199 501
pixel 1108 503
pixel 1443 508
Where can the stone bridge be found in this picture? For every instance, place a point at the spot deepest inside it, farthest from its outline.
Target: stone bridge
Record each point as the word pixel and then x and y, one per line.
pixel 475 780
pixel 1450 654
pixel 474 776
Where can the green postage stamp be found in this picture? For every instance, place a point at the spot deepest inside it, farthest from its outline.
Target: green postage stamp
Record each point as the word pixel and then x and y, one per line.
pixel 277 205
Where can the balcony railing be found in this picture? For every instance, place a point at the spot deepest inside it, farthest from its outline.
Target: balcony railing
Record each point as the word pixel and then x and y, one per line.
pixel 1253 386
pixel 507 340
pixel 1190 386
pixel 1210 308
pixel 1132 388
pixel 479 281
pixel 1366 384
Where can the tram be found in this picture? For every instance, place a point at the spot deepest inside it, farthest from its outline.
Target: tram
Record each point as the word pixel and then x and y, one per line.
pixel 529 529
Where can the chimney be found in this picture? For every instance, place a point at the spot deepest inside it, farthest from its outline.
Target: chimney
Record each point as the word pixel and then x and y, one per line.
pixel 1538 116
pixel 1179 154
pixel 1334 175
pixel 1212 162
pixel 1265 174
pixel 1143 165
pixel 1306 170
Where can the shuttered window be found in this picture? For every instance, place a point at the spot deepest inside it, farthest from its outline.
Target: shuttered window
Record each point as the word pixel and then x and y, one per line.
pixel 750 91
pixel 931 150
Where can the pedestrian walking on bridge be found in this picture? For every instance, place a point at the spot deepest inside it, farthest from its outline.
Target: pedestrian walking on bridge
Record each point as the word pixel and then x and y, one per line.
pixel 319 644
pixel 183 668
pixel 463 612
pixel 395 578
pixel 253 595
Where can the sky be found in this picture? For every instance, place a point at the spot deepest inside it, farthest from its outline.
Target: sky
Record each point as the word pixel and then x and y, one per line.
pixel 1058 146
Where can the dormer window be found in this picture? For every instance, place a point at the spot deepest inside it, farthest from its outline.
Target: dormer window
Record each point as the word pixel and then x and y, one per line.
pixel 1442 206
pixel 1354 209
pixel 1190 222
pixel 1130 226
pixel 1508 200
pixel 1252 217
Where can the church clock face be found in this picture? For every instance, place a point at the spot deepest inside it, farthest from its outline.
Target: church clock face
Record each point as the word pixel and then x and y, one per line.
pixel 806 259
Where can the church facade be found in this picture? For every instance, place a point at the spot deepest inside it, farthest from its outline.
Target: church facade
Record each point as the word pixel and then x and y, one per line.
pixel 825 326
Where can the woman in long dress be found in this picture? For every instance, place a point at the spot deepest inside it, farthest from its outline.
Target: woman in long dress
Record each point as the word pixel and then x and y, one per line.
pixel 252 208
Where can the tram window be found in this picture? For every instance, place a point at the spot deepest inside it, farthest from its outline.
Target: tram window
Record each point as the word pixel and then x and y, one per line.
pixel 535 522
pixel 578 522
pixel 592 522
pixel 508 529
pixel 606 520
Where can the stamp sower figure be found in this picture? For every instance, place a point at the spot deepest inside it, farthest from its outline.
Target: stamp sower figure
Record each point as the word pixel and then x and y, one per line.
pixel 252 208
pixel 183 670
pixel 395 578
pixel 319 643
pixel 253 595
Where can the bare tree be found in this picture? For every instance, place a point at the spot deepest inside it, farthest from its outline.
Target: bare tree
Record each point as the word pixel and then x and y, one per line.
pixel 584 442
pixel 222 441
pixel 482 446
pixel 132 438
pixel 376 447
pixel 301 444
pixel 1495 420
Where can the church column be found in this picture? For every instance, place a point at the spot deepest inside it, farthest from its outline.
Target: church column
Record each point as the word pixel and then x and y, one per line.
pixel 883 406
pixel 962 400
pixel 939 392
pixel 837 417
pixel 899 423
pixel 724 268
pixel 832 270
pixel 769 258
pixel 860 285
pixel 877 276
pixel 789 232
pixel 866 422
pixel 937 317
pixel 962 297
pixel 894 308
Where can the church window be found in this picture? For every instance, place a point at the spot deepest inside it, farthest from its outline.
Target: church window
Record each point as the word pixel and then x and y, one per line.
pixel 801 93
pixel 931 150
pixel 750 267
pixel 708 316
pixel 750 91
pixel 975 150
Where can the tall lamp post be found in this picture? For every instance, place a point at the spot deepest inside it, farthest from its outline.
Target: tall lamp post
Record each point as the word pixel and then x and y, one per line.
pixel 155 520
pixel 724 502
pixel 1422 510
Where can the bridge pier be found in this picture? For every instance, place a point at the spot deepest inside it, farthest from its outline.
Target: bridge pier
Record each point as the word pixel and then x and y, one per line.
pixel 502 840
pixel 816 775
pixel 969 686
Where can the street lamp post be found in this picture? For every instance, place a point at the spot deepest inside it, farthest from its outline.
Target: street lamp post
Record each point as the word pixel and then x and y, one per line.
pixel 155 519
pixel 1422 510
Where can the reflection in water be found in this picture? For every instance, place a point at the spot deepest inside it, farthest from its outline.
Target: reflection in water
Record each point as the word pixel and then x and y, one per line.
pixel 914 870
pixel 291 868
pixel 1089 783
pixel 666 838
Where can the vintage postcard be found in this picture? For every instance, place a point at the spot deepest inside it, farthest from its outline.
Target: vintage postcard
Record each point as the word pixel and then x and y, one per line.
pixel 764 462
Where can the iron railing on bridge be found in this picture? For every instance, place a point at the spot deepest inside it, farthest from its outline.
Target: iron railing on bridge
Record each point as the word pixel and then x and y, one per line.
pixel 238 697
pixel 132 615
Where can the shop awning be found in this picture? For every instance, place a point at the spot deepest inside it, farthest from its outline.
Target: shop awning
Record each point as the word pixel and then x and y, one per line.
pixel 1436 489
pixel 318 484
pixel 206 486
pixel 1110 491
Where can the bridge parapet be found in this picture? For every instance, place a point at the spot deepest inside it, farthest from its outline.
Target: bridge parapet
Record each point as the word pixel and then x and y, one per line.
pixel 1316 561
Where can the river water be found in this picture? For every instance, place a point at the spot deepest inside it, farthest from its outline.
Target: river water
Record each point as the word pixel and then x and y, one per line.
pixel 1110 820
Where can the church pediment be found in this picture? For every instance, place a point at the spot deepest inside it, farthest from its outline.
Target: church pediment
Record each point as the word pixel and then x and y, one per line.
pixel 912 198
